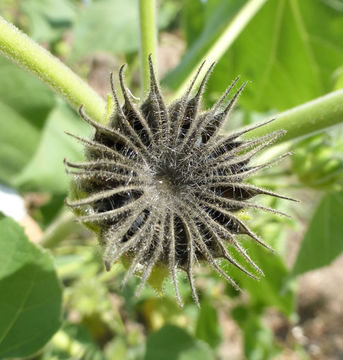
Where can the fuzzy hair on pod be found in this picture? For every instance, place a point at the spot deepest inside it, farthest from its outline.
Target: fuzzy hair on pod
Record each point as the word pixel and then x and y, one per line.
pixel 163 187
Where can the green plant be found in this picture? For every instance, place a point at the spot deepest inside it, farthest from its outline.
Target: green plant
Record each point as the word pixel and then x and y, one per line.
pixel 236 34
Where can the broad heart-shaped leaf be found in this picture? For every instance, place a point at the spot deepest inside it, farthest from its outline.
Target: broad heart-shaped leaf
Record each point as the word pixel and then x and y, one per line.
pixel 45 171
pixel 275 289
pixel 289 52
pixel 24 105
pixel 323 241
pixel 171 342
pixel 30 293
pixel 106 25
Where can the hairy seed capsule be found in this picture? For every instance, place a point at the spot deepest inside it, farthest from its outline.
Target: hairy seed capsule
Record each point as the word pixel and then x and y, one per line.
pixel 163 186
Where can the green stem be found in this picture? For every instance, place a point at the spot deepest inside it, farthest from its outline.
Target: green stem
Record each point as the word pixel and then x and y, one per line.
pixel 148 33
pixel 306 119
pixel 19 48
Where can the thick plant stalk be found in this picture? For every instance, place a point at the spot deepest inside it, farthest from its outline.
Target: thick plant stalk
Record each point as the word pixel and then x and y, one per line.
pixel 19 48
pixel 306 119
pixel 148 39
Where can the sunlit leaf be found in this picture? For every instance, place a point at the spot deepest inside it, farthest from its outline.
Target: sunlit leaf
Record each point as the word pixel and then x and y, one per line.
pixel 45 171
pixel 289 52
pixel 24 105
pixel 16 146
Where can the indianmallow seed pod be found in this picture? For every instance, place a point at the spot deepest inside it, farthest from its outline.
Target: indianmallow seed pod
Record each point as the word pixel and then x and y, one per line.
pixel 163 187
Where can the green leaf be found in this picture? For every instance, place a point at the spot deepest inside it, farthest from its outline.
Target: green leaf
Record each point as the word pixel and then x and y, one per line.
pixel 339 79
pixel 30 293
pixel 199 16
pixel 24 105
pixel 220 14
pixel 275 289
pixel 45 171
pixel 193 25
pixel 24 94
pixel 18 139
pixel 207 328
pixel 48 18
pixel 107 25
pixel 171 342
pixel 323 240
pixel 289 51
pixel 259 342
pixel 167 12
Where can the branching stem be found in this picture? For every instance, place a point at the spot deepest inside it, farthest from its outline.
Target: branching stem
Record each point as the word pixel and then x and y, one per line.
pixel 306 119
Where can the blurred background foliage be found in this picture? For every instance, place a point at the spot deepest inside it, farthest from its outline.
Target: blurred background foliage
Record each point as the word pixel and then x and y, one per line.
pixel 291 52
